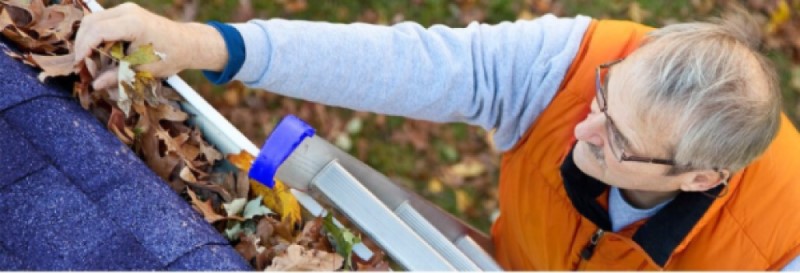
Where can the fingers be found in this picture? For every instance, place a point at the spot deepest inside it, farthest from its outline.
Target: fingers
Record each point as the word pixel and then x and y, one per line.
pixel 106 80
pixel 156 69
pixel 116 24
pixel 131 23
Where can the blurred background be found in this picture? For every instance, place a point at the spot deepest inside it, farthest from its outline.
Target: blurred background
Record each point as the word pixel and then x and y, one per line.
pixel 453 165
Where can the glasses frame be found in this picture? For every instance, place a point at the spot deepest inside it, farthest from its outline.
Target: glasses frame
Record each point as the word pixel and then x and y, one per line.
pixel 602 102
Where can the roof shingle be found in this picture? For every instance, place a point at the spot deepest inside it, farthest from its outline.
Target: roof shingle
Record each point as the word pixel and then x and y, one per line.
pixel 22 163
pixel 76 198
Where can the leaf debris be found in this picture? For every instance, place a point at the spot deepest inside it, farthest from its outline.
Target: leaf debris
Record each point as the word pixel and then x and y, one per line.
pixel 145 115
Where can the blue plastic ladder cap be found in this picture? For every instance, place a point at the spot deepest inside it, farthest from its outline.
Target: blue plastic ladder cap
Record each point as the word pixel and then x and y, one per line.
pixel 283 140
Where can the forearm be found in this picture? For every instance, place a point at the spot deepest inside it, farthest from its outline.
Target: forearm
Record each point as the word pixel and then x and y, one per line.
pixel 207 49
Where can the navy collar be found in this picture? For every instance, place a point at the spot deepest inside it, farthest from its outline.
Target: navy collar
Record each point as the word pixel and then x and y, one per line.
pixel 661 234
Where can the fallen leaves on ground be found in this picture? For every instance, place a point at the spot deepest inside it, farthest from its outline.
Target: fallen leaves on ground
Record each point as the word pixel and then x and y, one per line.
pixel 205 208
pixel 38 28
pixel 297 258
pixel 318 236
pixel 279 198
pixel 53 66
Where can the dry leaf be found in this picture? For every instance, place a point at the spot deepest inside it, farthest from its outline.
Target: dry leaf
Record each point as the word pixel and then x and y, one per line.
pixel 162 165
pixel 205 208
pixel 468 168
pixel 32 25
pixel 379 264
pixel 781 15
pixel 116 123
pixel 297 258
pixel 59 21
pixel 278 199
pixel 18 13
pixel 53 66
pixel 211 154
pixel 173 144
pixel 262 260
pixel 216 189
pixel 255 208
pixel 142 55
pixel 242 184
pixel 238 185
pixel 294 6
pixel 282 229
pixel 5 19
pixel 313 237
pixel 462 200
pixel 168 112
pixel 242 160
pixel 247 246
pixel 264 230
pixel 125 78
pixel 235 207
pixel 187 175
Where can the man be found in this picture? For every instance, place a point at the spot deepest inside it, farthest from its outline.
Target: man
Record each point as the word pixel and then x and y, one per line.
pixel 625 147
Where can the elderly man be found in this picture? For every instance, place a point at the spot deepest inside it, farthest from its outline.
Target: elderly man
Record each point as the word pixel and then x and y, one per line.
pixel 625 147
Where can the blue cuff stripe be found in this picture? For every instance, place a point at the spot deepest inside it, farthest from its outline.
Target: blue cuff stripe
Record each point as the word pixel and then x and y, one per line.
pixel 235 45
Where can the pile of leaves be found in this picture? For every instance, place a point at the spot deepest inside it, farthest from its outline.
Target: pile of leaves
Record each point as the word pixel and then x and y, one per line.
pixel 265 225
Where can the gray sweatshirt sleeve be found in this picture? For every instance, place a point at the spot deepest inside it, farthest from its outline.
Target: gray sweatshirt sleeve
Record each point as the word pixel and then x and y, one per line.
pixel 495 76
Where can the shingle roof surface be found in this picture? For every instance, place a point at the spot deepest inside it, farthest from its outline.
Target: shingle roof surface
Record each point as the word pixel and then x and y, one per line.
pixel 73 197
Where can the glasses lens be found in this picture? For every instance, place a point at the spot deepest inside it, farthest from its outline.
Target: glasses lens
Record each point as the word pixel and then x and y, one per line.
pixel 611 138
pixel 602 80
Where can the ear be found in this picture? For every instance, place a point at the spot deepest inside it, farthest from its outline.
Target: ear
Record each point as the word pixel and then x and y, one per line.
pixel 700 181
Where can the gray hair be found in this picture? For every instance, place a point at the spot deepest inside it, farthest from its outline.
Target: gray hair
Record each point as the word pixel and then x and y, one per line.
pixel 719 96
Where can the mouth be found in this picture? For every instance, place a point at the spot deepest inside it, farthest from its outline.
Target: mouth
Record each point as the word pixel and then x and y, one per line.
pixel 597 153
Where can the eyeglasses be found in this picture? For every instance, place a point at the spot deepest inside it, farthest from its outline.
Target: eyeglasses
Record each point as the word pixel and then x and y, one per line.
pixel 614 134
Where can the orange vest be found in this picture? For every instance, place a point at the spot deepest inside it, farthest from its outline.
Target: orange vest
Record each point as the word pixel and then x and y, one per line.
pixel 546 223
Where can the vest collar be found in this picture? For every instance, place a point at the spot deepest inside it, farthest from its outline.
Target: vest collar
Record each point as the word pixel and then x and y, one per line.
pixel 661 234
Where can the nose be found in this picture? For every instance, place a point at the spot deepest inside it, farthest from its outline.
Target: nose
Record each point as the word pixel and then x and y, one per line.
pixel 591 129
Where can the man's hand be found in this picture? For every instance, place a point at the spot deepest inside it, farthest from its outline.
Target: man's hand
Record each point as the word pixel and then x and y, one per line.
pixel 184 45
